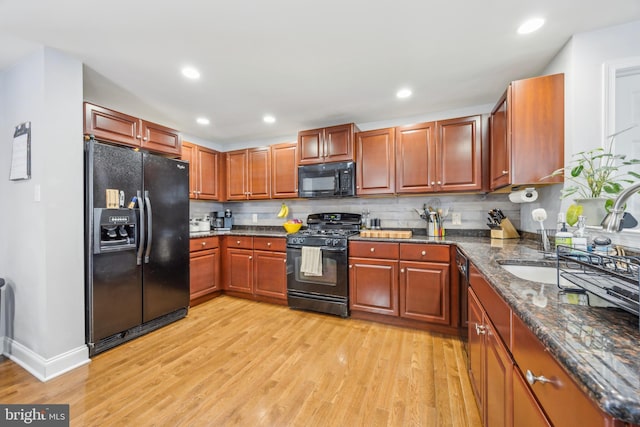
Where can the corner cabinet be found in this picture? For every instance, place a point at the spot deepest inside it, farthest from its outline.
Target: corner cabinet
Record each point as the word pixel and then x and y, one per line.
pixel 527 133
pixel 248 174
pixel 204 171
pixel 112 126
pixel 331 144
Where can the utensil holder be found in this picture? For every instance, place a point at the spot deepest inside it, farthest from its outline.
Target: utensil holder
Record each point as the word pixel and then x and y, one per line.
pixel 506 231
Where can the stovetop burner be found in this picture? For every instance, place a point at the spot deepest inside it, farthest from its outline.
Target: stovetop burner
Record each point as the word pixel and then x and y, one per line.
pixel 327 233
pixel 327 229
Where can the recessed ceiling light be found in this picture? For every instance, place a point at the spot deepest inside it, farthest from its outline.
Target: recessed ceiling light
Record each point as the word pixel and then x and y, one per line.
pixel 203 121
pixel 191 73
pixel 404 93
pixel 530 26
pixel 269 119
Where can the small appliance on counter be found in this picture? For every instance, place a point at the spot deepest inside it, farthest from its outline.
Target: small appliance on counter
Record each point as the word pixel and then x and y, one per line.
pixel 221 220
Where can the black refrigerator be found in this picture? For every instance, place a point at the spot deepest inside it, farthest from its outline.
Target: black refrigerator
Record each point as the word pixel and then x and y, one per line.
pixel 137 243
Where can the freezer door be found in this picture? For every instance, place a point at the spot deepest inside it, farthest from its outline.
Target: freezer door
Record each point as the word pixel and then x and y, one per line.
pixel 166 263
pixel 113 280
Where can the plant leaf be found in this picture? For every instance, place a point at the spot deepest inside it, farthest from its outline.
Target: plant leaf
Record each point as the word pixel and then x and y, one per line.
pixel 576 171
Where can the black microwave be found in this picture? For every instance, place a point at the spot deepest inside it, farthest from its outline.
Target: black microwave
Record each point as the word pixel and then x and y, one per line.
pixel 336 179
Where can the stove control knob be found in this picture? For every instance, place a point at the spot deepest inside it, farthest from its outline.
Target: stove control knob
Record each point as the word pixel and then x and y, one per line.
pixel 327 242
pixel 336 242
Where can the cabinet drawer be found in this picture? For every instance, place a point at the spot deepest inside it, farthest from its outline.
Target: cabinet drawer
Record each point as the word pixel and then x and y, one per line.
pixel 493 304
pixel 244 242
pixel 203 243
pixel 562 400
pixel 373 250
pixel 424 252
pixel 270 244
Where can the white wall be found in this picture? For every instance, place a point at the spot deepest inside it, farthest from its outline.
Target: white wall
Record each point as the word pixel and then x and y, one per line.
pixel 582 59
pixel 42 243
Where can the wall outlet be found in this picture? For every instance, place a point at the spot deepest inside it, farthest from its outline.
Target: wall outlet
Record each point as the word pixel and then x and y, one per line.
pixel 255 218
pixel 456 218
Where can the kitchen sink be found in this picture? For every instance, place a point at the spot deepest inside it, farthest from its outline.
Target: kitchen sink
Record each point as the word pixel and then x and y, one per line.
pixel 535 273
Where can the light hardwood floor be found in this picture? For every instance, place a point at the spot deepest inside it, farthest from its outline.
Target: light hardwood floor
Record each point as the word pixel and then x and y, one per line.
pixel 238 362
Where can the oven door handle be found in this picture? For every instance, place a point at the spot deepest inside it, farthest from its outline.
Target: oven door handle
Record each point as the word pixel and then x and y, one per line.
pixel 322 248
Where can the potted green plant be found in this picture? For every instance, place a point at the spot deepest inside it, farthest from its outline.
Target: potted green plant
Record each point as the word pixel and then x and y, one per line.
pixel 596 177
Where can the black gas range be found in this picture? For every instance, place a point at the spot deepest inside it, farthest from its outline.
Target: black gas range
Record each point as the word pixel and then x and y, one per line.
pixel 326 289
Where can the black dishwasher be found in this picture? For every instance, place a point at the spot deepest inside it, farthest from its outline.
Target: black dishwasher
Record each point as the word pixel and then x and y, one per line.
pixel 463 279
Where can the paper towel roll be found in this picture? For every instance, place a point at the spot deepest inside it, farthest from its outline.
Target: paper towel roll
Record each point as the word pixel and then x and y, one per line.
pixel 524 196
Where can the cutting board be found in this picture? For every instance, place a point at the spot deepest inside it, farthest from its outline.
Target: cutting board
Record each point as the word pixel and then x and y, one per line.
pixel 389 234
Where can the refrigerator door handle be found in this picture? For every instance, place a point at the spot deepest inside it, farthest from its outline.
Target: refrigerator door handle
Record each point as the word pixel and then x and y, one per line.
pixel 141 223
pixel 147 201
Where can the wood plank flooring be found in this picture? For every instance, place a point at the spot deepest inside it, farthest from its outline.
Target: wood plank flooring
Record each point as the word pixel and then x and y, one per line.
pixel 234 362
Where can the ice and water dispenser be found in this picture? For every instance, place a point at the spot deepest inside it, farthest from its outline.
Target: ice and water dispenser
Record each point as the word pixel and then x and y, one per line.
pixel 114 230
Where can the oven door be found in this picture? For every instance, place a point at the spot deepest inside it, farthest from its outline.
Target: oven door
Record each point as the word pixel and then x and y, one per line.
pixel 334 279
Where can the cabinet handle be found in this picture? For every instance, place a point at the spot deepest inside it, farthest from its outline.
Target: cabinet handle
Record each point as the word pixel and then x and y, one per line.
pixel 402 270
pixel 237 242
pixel 424 253
pixel 433 183
pixel 268 243
pixel 284 260
pixel 204 243
pixel 350 265
pixel 145 139
pixel 505 172
pixel 532 379
pixel 373 249
pixel 439 182
pixel 481 329
pixel 250 257
pixel 138 136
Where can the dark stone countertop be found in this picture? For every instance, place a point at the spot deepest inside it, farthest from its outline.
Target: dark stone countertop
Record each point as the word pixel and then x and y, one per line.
pixel 597 346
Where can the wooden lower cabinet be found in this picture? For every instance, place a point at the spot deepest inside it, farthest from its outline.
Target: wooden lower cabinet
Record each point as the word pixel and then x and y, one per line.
pixel 256 268
pixel 204 268
pixel 526 409
pixel 404 283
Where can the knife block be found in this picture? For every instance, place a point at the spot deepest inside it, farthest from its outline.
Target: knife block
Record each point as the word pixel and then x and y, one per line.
pixel 506 231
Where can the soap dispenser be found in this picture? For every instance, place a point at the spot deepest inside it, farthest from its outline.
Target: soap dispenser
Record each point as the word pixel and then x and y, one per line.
pixel 564 237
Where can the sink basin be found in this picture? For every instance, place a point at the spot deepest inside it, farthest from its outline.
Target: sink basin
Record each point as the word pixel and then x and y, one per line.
pixel 535 273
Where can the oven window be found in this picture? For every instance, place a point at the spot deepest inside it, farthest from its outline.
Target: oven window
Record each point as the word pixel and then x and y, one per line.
pixel 329 272
pixel 318 183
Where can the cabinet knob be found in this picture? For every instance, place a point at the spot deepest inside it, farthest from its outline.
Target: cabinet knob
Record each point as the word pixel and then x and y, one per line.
pixel 138 136
pixel 433 183
pixel 237 242
pixel 481 329
pixel 250 257
pixel 204 243
pixel 532 379
pixel 505 172
pixel 402 270
pixel 284 260
pixel 145 139
pixel 439 182
pixel 373 249
pixel 424 253
pixel 268 243
pixel 350 265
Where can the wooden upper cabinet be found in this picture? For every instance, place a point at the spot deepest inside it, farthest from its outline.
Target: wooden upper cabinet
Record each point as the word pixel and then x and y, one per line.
pixel 248 174
pixel 204 171
pixel 259 169
pixel 375 157
pixel 112 126
pixel 331 144
pixel 160 138
pixel 527 132
pixel 459 154
pixel 415 158
pixel 284 170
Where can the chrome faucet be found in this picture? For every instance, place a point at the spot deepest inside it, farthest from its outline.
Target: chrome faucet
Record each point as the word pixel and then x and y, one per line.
pixel 613 221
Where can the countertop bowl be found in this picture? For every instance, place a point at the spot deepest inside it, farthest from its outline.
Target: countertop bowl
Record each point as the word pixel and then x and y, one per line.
pixel 292 227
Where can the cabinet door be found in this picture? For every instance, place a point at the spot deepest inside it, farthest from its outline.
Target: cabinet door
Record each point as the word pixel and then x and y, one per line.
pixel 259 173
pixel 373 285
pixel 311 146
pixel 500 145
pixel 375 151
pixel 160 139
pixel 237 175
pixel 204 272
pixel 270 273
pixel 415 159
pixel 239 270
pixel 526 410
pixel 476 334
pixel 338 143
pixel 459 154
pixel 497 381
pixel 110 125
pixel 208 174
pixel 189 154
pixel 284 170
pixel 425 292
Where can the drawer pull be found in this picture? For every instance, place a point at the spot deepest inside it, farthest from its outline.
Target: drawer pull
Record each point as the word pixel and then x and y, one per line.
pixel 268 243
pixel 505 172
pixel 204 243
pixel 424 253
pixel 373 249
pixel 532 379
pixel 237 242
pixel 481 329
pixel 402 270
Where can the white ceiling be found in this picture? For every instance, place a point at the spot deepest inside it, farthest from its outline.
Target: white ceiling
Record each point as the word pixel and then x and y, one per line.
pixel 309 63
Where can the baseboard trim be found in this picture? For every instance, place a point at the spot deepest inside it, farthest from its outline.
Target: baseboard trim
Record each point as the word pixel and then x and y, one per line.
pixel 41 368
